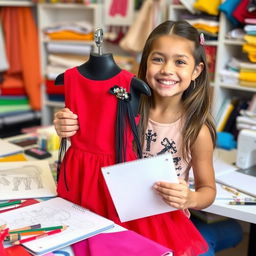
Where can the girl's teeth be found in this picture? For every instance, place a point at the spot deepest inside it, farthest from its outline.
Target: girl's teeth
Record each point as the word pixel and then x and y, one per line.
pixel 167 82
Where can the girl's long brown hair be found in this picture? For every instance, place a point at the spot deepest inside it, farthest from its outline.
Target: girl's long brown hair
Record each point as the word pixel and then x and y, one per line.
pixel 196 101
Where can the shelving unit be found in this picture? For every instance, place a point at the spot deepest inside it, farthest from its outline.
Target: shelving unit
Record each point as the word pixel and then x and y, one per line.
pixel 49 14
pixel 14 123
pixel 16 3
pixel 226 48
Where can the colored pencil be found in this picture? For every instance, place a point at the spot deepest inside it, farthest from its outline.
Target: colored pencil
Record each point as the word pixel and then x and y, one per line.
pixel 10 203
pixel 231 190
pixel 12 238
pixel 242 203
pixel 36 226
pixel 30 233
pixel 53 232
pixel 37 229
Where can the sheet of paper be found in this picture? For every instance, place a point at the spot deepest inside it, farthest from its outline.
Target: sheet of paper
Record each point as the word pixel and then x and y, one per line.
pixel 7 148
pixel 26 179
pixel 131 186
pixel 221 167
pixel 81 223
pixel 242 182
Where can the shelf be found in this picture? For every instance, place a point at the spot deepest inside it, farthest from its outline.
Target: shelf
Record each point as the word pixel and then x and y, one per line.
pixel 238 87
pixel 16 3
pixel 213 42
pixel 51 103
pixel 178 7
pixel 234 42
pixel 47 40
pixel 68 6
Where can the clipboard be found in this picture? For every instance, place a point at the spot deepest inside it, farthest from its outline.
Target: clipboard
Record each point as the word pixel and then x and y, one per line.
pixel 131 186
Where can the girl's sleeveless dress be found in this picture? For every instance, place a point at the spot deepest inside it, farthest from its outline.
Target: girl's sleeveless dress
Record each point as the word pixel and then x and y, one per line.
pixel 93 147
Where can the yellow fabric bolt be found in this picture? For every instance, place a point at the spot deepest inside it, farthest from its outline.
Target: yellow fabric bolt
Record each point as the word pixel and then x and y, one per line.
pixel 211 29
pixel 247 76
pixel 210 7
pixel 250 39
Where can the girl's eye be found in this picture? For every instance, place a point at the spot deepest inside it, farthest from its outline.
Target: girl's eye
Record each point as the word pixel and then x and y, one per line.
pixel 157 59
pixel 180 62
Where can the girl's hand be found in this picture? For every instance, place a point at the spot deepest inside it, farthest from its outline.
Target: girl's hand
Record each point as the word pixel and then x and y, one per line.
pixel 65 123
pixel 176 195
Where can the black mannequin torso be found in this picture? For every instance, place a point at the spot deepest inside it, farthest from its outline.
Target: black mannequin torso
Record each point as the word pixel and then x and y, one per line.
pixel 103 67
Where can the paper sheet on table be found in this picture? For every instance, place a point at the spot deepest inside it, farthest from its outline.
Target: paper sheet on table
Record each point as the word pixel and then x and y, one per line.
pixel 131 186
pixel 221 167
pixel 26 179
pixel 8 148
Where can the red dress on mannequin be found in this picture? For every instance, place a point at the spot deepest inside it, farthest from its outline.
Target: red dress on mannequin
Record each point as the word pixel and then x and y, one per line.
pixel 93 147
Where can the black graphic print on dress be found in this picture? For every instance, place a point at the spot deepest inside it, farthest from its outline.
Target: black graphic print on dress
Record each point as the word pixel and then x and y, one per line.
pixel 171 147
pixel 150 137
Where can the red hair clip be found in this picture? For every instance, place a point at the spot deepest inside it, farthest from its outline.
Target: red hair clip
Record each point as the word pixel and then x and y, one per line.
pixel 201 38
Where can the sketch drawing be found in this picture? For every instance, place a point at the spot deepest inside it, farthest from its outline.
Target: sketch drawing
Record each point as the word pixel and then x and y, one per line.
pixel 21 177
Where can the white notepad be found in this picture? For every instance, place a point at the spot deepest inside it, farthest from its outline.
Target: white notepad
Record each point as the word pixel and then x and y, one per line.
pixel 26 179
pixel 131 186
pixel 241 181
pixel 81 222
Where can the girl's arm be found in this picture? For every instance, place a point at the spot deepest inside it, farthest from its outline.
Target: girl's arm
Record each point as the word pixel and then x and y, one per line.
pixel 179 195
pixel 202 163
pixel 65 123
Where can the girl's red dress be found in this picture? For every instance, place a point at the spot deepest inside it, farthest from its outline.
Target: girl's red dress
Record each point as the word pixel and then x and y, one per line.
pixel 93 147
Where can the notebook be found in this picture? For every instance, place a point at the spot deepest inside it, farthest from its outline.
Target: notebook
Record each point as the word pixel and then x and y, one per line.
pixel 81 222
pixel 26 179
pixel 131 186
pixel 7 148
pixel 243 180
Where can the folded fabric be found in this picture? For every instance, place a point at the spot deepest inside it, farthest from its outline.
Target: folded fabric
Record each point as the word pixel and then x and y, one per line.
pixel 205 22
pixel 250 39
pixel 233 64
pixel 250 20
pixel 247 65
pixel 241 12
pixel 252 57
pixel 189 5
pixel 229 77
pixel 247 76
pixel 247 83
pixel 225 140
pixel 124 243
pixel 211 29
pixel 13 91
pixel 227 8
pixel 249 48
pixel 66 60
pixel 79 27
pixel 210 7
pixel 69 35
pixel 75 48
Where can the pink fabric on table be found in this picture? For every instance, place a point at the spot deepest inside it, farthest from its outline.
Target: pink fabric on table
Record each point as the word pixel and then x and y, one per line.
pixel 124 243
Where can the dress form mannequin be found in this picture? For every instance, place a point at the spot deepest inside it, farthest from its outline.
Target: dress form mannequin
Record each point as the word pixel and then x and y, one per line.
pixel 102 67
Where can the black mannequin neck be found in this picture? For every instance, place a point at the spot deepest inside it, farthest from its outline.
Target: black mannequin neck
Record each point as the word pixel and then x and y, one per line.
pixel 99 67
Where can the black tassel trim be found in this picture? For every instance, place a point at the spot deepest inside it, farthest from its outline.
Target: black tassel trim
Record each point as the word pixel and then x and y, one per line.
pixel 61 156
pixel 124 114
